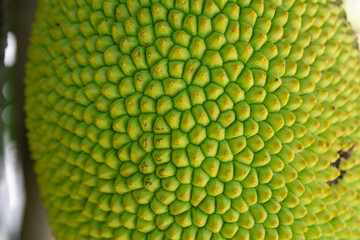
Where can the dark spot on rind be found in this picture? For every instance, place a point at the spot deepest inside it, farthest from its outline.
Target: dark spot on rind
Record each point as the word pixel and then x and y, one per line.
pixel 345 155
pixel 336 163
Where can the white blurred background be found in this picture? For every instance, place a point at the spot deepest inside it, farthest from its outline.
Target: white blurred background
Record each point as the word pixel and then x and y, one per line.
pixel 22 215
pixel 352 8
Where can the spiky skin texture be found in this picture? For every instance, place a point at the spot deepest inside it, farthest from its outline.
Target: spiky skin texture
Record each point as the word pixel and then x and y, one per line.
pixel 195 119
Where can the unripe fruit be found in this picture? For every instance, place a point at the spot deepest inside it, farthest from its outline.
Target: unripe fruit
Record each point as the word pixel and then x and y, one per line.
pixel 195 119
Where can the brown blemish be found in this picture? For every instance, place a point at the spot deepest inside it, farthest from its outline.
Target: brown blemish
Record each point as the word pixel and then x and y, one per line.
pixel 345 155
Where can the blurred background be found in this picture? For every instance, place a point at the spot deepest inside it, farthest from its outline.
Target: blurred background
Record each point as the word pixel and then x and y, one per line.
pixel 22 215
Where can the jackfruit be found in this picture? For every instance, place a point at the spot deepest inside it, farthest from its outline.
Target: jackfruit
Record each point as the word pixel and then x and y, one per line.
pixel 195 119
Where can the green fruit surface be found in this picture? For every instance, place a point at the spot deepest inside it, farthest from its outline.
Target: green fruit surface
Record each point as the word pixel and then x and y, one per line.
pixel 195 119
